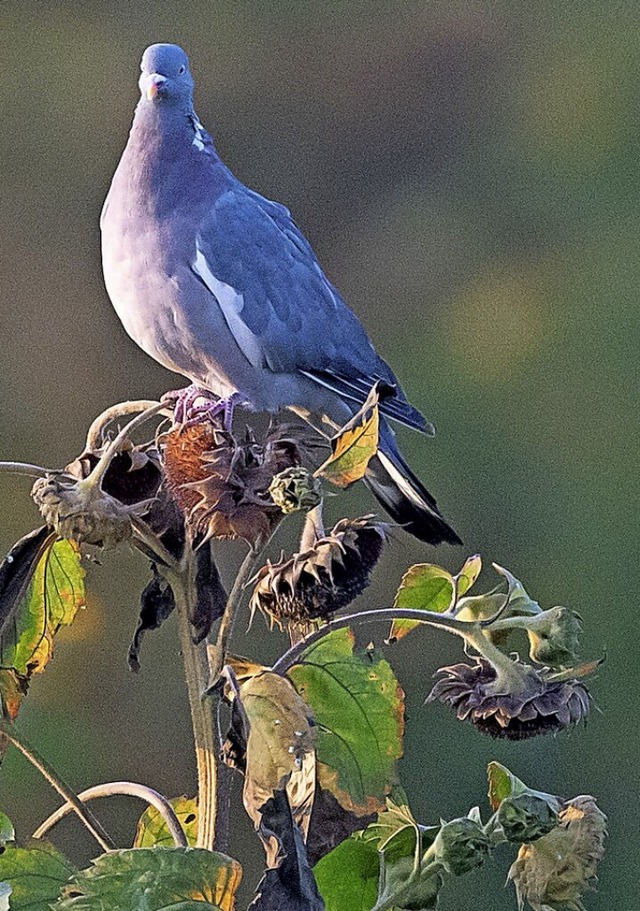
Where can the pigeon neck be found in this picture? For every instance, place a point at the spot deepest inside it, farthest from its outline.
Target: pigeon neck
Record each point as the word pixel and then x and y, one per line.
pixel 161 124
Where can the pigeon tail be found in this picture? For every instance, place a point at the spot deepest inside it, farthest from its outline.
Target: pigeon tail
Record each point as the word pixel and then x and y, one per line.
pixel 403 495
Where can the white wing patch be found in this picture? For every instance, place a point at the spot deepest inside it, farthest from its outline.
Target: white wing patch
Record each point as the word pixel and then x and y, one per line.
pixel 198 139
pixel 231 303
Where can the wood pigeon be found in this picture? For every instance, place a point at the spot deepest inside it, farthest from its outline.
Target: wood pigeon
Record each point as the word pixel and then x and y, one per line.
pixel 218 284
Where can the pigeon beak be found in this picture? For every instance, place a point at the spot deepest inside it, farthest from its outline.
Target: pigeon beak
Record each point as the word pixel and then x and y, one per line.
pixel 154 84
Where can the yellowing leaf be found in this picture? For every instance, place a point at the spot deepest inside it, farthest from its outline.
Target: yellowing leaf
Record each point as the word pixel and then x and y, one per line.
pixel 155 878
pixel 41 589
pixel 152 829
pixel 355 445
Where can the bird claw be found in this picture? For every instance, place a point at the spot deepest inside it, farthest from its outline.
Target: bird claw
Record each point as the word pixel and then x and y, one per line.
pixel 187 413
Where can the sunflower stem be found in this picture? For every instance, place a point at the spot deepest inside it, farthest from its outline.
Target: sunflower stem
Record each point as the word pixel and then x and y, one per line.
pixel 313 528
pixel 95 434
pixel 196 667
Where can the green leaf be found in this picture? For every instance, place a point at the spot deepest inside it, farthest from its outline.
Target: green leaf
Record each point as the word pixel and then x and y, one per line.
pixel 152 829
pixel 502 784
pixel 41 589
pixel 7 832
pixel 35 873
pixel 358 706
pixel 468 574
pixel 424 586
pixel 347 877
pixel 355 445
pixel 154 879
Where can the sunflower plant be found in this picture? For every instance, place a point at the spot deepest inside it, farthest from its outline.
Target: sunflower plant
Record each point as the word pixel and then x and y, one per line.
pixel 315 737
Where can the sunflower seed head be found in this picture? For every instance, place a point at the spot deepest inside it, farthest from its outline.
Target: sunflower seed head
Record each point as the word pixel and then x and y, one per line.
pixel 82 512
pixel 554 872
pixel 294 489
pixel 311 586
pixel 526 817
pixel 554 637
pixel 540 706
pixel 222 485
pixel 461 845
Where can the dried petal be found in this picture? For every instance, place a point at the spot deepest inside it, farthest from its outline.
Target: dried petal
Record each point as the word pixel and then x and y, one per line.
pixel 541 706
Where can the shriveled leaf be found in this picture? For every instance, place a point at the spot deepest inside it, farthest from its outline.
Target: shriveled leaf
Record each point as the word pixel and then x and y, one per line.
pixel 156 604
pixel 274 728
pixel 347 877
pixel 7 832
pixel 41 589
pixel 355 445
pixel 35 873
pixel 152 829
pixel 424 586
pixel 358 705
pixel 288 884
pixel 330 824
pixel 5 894
pixel 155 879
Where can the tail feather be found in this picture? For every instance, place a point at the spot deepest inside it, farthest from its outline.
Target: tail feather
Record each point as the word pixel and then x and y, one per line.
pixel 404 496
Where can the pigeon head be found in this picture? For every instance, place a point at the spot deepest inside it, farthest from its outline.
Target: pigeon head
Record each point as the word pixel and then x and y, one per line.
pixel 166 79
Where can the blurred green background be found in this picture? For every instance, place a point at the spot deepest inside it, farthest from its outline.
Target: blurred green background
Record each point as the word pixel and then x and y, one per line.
pixel 468 173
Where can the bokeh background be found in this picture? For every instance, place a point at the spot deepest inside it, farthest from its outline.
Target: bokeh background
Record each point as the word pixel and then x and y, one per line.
pixel 468 173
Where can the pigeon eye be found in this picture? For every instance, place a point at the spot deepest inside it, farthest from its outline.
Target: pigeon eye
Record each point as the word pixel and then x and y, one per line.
pixel 181 70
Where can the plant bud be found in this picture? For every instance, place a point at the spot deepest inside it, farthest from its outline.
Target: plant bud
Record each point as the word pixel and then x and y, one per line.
pixel 526 817
pixel 461 845
pixel 295 489
pixel 555 871
pixel 553 636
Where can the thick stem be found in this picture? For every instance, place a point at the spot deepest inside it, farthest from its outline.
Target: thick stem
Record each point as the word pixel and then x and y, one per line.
pixel 128 789
pixel 196 667
pixel 104 840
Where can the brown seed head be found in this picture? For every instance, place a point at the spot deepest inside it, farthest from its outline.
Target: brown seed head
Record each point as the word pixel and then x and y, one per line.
pixel 313 585
pixel 221 485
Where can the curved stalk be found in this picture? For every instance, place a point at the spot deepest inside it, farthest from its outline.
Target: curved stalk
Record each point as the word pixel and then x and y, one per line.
pixel 122 409
pixel 25 468
pixel 93 825
pixel 468 630
pixel 128 789
pixel 96 477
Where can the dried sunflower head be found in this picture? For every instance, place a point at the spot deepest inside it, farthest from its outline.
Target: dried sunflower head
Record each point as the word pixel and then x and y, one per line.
pixel 222 485
pixel 539 704
pixel 82 512
pixel 313 585
pixel 556 870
